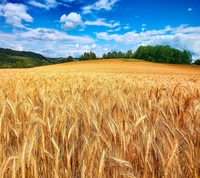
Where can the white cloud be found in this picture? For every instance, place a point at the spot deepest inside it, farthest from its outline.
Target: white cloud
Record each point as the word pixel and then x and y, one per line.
pixel 87 9
pixel 71 21
pixel 182 37
pixel 94 45
pixel 101 22
pixel 17 47
pixel 77 45
pixel 14 14
pixel 127 27
pixel 144 25
pixel 143 29
pixel 68 0
pixel 49 42
pixel 76 51
pixel 48 4
pixel 101 4
pixel 189 9
pixel 116 30
pixel 45 34
pixel 7 37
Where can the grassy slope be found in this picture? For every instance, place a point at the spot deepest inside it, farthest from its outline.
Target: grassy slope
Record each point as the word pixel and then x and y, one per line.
pixel 11 59
pixel 132 60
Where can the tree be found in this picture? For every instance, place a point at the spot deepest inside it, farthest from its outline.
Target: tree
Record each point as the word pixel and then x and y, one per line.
pixel 70 59
pixel 88 56
pixel 104 56
pixel 197 62
pixel 63 60
pixel 163 54
pixel 129 54
pixel 92 55
pixel 121 55
pixel 139 52
pixel 114 55
pixel 109 55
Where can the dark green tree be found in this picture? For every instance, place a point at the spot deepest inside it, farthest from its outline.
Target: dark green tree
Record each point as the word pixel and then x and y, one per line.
pixel 121 55
pixel 114 55
pixel 70 59
pixel 88 56
pixel 63 60
pixel 163 54
pixel 109 55
pixel 104 56
pixel 93 55
pixel 197 62
pixel 129 54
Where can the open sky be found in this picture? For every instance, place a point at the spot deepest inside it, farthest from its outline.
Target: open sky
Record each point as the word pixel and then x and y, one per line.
pixel 59 28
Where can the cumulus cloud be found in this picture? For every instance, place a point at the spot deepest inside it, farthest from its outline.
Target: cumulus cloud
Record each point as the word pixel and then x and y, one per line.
pixel 102 22
pixel 45 34
pixel 182 37
pixel 71 21
pixel 49 42
pixel 99 5
pixel 14 14
pixel 75 50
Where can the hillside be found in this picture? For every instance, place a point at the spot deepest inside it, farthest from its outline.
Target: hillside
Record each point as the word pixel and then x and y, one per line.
pixel 21 59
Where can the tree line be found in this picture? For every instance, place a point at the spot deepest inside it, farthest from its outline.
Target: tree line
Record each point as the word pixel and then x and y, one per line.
pixel 197 62
pixel 163 54
pixel 159 53
pixel 88 56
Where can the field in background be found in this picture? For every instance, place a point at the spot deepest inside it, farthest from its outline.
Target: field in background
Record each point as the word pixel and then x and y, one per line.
pixel 106 118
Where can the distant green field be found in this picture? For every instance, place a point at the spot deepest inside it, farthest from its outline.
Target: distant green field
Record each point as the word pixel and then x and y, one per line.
pixel 133 60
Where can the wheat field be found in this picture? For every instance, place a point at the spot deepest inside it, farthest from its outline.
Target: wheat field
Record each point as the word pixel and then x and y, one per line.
pixel 100 119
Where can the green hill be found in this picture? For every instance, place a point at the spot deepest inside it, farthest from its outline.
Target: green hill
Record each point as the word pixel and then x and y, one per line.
pixel 21 59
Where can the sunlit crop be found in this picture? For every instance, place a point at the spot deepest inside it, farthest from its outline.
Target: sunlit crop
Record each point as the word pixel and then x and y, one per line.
pixel 84 120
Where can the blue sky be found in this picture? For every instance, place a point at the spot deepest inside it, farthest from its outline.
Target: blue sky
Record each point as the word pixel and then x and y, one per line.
pixel 59 28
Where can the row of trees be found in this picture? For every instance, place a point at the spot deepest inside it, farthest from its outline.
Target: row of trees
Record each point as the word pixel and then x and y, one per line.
pixel 159 53
pixel 197 62
pixel 109 55
pixel 114 55
pixel 68 59
pixel 163 54
pixel 88 56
